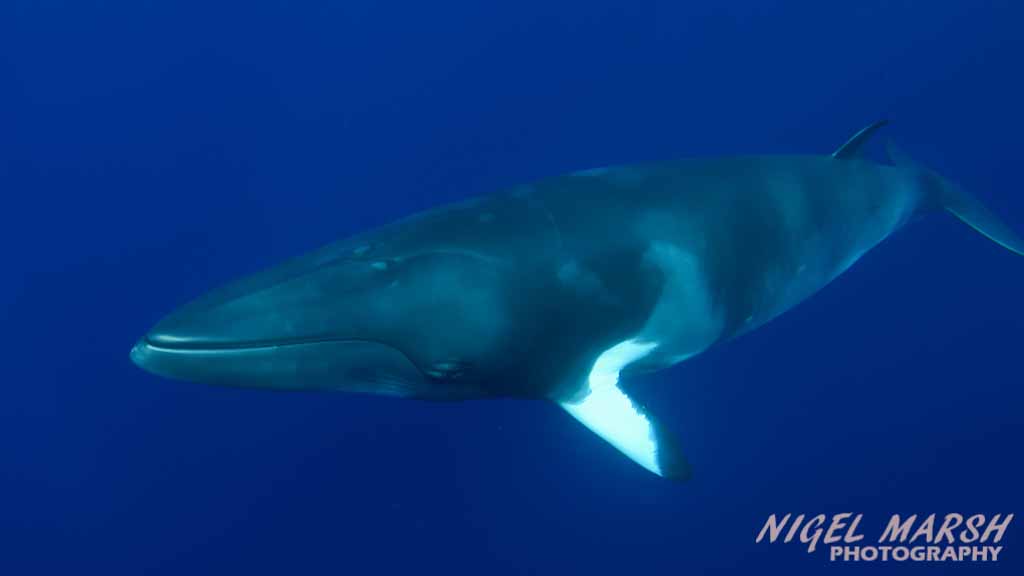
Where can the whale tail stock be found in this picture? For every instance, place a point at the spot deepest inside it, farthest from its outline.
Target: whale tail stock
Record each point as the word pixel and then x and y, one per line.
pixel 972 212
pixel 943 193
pixel 950 197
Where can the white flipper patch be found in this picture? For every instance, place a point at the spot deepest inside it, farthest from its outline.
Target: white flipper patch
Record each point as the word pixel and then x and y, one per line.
pixel 611 414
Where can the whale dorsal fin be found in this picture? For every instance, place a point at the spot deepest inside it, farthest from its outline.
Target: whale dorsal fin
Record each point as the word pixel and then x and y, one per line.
pixel 620 420
pixel 853 146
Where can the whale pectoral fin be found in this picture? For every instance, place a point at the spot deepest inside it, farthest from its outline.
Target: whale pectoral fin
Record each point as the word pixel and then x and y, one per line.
pixel 622 421
pixel 624 424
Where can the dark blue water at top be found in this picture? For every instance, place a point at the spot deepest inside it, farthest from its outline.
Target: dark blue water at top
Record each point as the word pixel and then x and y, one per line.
pixel 152 150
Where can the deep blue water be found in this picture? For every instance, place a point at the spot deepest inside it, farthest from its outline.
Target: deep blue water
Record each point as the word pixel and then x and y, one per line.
pixel 150 151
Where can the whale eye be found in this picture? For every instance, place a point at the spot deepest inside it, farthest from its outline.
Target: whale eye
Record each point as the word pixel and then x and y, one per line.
pixel 379 265
pixel 361 250
pixel 447 369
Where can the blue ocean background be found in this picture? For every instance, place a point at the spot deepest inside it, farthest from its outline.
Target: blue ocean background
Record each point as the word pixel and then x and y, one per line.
pixel 150 151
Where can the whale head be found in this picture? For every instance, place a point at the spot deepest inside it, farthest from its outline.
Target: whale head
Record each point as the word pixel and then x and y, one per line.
pixel 398 313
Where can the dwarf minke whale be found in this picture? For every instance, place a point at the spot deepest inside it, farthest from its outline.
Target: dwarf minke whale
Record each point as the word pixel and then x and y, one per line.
pixel 559 289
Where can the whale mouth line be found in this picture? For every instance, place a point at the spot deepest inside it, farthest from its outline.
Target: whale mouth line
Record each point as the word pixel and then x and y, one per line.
pixel 321 363
pixel 200 346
